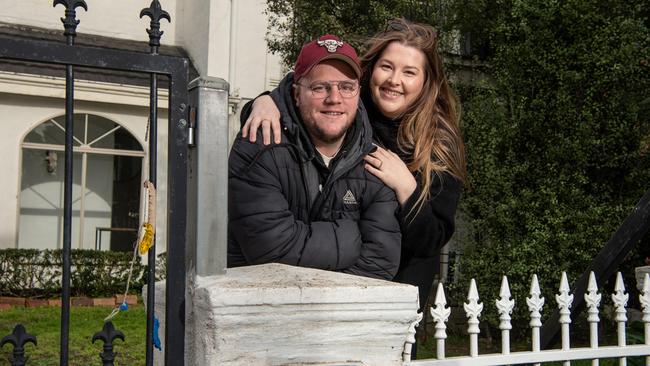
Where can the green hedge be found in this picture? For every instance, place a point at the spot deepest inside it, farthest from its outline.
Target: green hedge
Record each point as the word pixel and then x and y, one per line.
pixel 558 142
pixel 37 273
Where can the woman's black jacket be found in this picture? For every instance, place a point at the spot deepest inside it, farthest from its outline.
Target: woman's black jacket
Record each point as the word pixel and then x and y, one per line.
pixel 427 228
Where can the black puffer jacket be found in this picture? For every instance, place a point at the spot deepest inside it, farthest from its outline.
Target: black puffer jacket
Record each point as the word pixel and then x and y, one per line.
pixel 285 206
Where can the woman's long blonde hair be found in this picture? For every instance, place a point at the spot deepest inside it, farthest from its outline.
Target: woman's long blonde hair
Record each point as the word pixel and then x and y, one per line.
pixel 429 130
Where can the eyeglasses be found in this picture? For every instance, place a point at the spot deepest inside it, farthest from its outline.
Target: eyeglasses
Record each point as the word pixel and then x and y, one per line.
pixel 323 89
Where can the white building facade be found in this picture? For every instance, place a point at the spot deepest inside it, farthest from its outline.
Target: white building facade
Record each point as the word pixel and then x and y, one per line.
pixel 222 38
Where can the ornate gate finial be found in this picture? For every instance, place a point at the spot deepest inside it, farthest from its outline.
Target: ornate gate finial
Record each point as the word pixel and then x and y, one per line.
pixel 70 21
pixel 19 337
pixel 155 12
pixel 107 335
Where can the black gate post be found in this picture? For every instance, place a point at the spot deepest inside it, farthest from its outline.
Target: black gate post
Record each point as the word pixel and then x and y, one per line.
pixel 70 24
pixel 155 13
pixel 177 175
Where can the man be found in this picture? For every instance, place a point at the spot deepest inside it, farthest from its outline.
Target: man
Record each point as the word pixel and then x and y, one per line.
pixel 309 201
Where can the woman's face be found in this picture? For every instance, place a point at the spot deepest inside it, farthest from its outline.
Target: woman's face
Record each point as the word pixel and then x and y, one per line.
pixel 397 79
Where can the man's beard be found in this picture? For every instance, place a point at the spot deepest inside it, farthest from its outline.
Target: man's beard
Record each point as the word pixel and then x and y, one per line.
pixel 316 133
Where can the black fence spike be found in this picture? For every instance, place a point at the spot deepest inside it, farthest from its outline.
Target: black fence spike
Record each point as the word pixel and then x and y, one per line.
pixel 107 335
pixel 156 13
pixel 18 338
pixel 70 21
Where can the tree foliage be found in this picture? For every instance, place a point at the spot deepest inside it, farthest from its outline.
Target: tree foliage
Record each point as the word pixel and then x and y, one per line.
pixel 557 131
pixel 557 141
pixel 295 22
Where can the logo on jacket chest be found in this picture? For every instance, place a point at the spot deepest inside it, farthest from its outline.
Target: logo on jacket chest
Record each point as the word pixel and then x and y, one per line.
pixel 349 198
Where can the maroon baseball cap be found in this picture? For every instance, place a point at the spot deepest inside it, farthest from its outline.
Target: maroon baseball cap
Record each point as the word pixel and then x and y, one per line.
pixel 326 47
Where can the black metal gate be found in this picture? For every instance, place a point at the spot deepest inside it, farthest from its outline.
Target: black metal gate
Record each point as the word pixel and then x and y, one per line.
pixel 175 69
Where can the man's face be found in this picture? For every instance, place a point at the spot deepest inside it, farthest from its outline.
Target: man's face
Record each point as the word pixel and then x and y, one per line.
pixel 326 119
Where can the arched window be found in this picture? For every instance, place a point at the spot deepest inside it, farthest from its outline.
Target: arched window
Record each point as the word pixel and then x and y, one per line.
pixel 107 175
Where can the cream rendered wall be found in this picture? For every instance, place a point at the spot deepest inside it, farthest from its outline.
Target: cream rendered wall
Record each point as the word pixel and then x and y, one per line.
pixel 226 39
pixel 202 29
pixel 256 67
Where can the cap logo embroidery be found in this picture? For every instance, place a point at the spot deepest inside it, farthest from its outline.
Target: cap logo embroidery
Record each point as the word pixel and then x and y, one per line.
pixel 330 44
pixel 349 199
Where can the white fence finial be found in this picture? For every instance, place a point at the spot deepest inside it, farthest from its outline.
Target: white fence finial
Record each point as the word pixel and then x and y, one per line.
pixel 564 300
pixel 619 298
pixel 504 307
pixel 592 298
pixel 440 314
pixel 644 299
pixel 410 340
pixel 473 311
pixel 535 305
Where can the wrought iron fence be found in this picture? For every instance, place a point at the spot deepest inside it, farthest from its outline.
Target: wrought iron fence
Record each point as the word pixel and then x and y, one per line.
pixel 176 70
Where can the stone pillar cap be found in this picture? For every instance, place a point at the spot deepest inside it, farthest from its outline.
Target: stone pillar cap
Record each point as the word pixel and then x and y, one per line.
pixel 301 285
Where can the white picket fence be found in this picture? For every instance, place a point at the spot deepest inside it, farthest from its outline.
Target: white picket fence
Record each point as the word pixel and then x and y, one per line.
pixel 505 305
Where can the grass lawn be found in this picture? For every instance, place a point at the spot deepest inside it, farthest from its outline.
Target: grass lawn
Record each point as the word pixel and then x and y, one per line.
pixel 44 323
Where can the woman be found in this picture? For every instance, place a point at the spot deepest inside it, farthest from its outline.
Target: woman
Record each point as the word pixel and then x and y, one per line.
pixel 420 156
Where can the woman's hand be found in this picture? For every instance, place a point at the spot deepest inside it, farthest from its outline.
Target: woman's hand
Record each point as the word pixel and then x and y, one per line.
pixel 265 114
pixel 388 167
